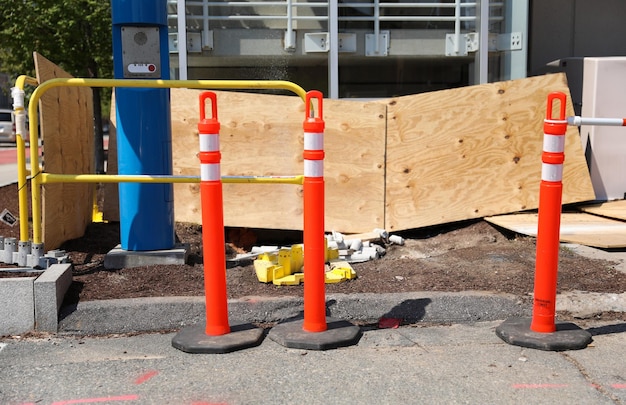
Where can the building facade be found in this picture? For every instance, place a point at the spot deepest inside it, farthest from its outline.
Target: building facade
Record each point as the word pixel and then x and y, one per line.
pixel 351 49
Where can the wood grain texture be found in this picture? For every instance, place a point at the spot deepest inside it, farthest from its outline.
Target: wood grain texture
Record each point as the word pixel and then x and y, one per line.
pixel 581 228
pixel 66 122
pixel 400 163
pixel 612 209
pixel 472 152
pixel 262 135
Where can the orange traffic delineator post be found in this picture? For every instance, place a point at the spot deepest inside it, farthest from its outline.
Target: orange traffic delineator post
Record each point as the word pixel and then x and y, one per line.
pixel 542 332
pixel 314 250
pixel 216 335
pixel 316 331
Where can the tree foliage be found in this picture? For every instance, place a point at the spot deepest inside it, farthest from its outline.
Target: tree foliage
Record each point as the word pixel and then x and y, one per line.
pixel 74 34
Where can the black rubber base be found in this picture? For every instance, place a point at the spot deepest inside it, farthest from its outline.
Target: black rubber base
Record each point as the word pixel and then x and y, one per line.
pixel 194 339
pixel 339 334
pixel 568 336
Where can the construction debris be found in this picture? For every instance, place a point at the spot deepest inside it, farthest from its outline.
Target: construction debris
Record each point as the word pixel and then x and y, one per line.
pixel 284 265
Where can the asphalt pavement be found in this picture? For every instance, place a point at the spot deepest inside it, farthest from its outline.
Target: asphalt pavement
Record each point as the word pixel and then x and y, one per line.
pixel 452 364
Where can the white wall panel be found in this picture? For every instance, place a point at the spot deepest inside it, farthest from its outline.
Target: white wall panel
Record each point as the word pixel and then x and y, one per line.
pixel 604 96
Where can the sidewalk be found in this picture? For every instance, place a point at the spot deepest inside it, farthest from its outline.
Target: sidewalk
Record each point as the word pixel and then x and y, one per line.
pixel 8 174
pixel 8 165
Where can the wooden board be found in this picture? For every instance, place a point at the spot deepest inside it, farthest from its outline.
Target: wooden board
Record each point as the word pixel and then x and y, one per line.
pixel 611 209
pixel 432 158
pixel 263 135
pixel 66 122
pixel 581 228
pixel 474 151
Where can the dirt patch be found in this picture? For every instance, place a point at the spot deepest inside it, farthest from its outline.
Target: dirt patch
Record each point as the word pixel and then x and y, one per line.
pixel 465 256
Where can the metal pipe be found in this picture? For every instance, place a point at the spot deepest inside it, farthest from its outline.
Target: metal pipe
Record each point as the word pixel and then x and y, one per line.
pixel 482 56
pixel 50 178
pixel 288 43
pixel 182 40
pixel 457 26
pixel 333 51
pixel 613 122
pixel 243 17
pixel 36 178
pixel 376 27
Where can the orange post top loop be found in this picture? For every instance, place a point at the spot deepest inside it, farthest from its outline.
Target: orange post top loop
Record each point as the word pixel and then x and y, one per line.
pixel 208 125
pixel 555 125
pixel 311 123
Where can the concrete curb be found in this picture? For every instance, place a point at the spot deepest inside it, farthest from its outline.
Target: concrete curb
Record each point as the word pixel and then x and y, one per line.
pixel 173 313
pixel 584 304
pixel 49 290
pixel 167 313
pixel 33 303
pixel 17 305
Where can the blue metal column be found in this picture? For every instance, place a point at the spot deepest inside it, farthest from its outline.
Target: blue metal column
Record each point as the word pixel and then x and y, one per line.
pixel 140 51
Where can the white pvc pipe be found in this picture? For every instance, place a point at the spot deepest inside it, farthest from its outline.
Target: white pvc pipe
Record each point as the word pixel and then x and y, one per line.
pixel 614 122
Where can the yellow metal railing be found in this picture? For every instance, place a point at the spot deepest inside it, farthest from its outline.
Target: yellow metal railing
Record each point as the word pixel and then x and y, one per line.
pixel 38 177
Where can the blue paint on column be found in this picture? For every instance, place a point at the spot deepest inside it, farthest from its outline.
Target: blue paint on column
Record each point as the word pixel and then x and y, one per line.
pixel 143 124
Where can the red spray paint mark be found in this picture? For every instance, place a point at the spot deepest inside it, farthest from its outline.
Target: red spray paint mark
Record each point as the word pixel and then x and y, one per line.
pixel 145 377
pixel 619 386
pixel 389 323
pixel 102 399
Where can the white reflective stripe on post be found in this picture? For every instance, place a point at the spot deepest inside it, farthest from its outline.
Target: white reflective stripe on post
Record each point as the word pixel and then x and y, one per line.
pixel 551 172
pixel 209 142
pixel 553 143
pixel 210 172
pixel 313 168
pixel 313 141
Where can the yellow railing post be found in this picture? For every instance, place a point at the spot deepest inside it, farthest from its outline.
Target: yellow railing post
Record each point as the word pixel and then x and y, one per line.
pixel 22 173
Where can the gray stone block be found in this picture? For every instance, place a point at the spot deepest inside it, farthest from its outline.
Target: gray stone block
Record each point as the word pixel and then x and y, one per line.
pixel 49 289
pixel 17 305
pixel 119 258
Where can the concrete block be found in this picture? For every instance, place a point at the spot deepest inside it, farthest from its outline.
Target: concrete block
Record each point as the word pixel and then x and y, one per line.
pixel 49 289
pixel 10 246
pixel 17 305
pixel 119 258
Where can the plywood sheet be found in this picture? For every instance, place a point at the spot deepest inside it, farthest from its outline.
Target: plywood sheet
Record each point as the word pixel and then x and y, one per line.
pixel 473 152
pixel 612 209
pixel 66 121
pixel 581 228
pixel 262 135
